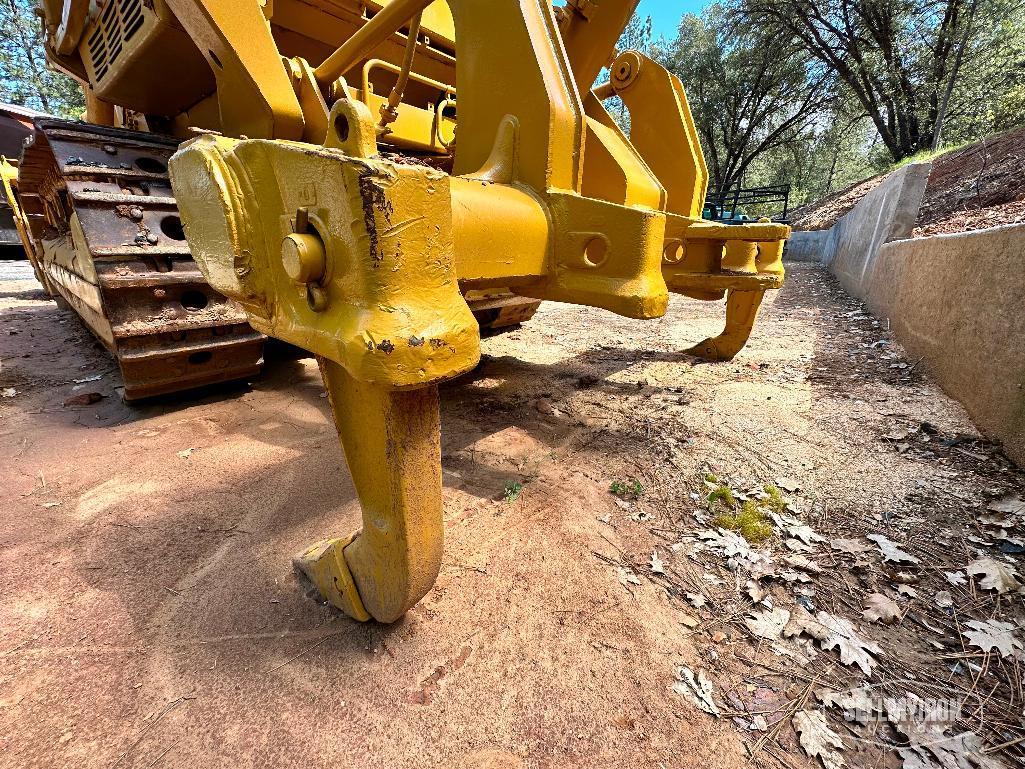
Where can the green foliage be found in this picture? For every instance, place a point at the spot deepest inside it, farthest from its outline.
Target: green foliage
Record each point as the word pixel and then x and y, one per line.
pixel 772 106
pixel 512 490
pixel 750 518
pixel 920 70
pixel 989 96
pixel 628 489
pixel 723 495
pixel 25 78
pixel 751 90
pixel 775 502
pixel 750 521
pixel 837 154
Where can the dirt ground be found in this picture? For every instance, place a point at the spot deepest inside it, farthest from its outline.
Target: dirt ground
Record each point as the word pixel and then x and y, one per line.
pixel 976 187
pixel 823 213
pixel 971 188
pixel 150 617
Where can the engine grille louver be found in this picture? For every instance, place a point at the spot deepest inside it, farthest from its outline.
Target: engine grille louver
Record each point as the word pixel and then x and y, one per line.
pixel 118 22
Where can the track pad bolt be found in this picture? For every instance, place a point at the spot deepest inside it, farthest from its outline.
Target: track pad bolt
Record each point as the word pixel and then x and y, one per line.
pixel 303 257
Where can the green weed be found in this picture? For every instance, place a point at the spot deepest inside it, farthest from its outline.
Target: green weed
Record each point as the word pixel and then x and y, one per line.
pixel 628 489
pixel 724 495
pixel 775 502
pixel 750 521
pixel 512 490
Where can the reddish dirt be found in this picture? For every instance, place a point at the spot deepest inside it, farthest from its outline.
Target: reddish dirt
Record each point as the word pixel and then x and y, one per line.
pixel 976 187
pixel 150 617
pixel 823 213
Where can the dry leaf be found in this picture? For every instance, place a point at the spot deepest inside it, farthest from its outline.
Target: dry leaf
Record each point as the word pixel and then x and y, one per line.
pixel 955 578
pixel 803 563
pixel 879 608
pixel 993 634
pixel 796 528
pixel 755 591
pixel 761 568
pixel 802 621
pixel 627 576
pixel 890 550
pixel 657 567
pixel 697 691
pixel 788 484
pixel 850 546
pixel 1010 504
pixel 818 739
pixel 995 574
pixel 996 521
pixel 857 705
pixel 840 633
pixel 729 543
pixel 929 747
pixel 768 624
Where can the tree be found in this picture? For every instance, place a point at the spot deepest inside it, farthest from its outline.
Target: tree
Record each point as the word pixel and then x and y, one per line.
pixel 901 59
pixel 989 94
pixel 25 79
pixel 835 154
pixel 751 91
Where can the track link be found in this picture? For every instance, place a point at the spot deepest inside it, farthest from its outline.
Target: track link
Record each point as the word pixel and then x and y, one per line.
pixel 110 243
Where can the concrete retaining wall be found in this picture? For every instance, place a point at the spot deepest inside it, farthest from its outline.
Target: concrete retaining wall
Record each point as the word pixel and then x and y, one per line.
pixel 958 302
pixel 807 246
pixel 955 301
pixel 886 213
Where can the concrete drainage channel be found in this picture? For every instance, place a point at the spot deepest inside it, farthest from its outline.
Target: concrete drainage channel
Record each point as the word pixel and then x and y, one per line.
pixel 954 301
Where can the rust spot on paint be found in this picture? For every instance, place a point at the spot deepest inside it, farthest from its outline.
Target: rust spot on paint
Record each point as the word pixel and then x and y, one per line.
pixel 373 198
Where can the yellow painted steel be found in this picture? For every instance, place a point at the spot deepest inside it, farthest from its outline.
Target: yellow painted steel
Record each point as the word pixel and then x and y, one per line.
pixel 254 93
pixel 9 180
pixel 298 202
pixel 393 445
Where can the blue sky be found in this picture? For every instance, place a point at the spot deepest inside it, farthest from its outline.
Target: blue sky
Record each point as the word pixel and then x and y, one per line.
pixel 665 14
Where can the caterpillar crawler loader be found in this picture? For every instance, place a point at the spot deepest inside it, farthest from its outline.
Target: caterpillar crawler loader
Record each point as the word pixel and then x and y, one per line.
pixel 360 174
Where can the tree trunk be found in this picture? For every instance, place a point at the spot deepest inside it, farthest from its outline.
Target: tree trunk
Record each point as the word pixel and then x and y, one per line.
pixel 937 134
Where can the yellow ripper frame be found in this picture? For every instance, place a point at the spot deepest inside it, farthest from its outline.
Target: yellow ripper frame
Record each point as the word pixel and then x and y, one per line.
pixel 363 259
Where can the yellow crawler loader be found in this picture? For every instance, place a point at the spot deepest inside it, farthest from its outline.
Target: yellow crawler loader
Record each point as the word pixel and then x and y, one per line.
pixel 355 178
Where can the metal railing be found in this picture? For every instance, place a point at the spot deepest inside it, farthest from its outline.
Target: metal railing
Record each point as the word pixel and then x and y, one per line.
pixel 728 205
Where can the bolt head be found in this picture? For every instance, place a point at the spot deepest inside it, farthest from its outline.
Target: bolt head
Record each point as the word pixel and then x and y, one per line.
pixel 303 257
